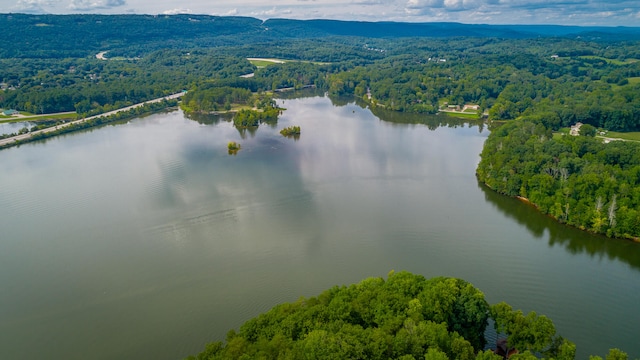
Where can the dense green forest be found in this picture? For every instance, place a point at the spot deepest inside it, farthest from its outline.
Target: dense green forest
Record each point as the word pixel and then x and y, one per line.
pixel 63 36
pixel 404 317
pixel 540 78
pixel 579 180
pixel 506 71
pixel 91 86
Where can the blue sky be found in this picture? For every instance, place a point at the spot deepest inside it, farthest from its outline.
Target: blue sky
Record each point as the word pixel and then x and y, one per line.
pixel 563 12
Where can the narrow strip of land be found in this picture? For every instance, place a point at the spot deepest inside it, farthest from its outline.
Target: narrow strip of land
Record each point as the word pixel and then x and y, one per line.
pixel 12 139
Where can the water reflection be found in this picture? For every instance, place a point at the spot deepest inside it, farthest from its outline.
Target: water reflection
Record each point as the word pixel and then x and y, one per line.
pixel 209 119
pixel 432 122
pixel 216 118
pixel 261 186
pixel 300 94
pixel 158 225
pixel 8 128
pixel 573 240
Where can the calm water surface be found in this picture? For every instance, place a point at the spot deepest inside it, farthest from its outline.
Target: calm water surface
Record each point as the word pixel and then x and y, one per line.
pixel 147 240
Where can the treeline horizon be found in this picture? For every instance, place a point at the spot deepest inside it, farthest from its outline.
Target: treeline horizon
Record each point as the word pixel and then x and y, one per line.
pixel 77 35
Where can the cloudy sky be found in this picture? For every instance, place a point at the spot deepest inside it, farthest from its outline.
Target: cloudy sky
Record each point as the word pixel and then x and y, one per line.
pixel 565 12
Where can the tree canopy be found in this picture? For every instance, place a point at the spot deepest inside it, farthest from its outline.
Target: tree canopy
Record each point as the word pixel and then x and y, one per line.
pixel 404 317
pixel 579 180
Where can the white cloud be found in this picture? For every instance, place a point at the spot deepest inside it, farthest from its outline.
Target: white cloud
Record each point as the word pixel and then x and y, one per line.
pixel 176 11
pixel 33 6
pixel 372 2
pixel 231 12
pixel 88 5
pixel 567 12
pixel 265 13
pixel 419 4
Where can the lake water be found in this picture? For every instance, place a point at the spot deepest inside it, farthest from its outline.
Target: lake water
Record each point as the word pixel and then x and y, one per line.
pixel 146 240
pixel 14 127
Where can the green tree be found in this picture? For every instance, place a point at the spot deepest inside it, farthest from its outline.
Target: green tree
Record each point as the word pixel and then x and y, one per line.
pixel 525 332
pixel 588 130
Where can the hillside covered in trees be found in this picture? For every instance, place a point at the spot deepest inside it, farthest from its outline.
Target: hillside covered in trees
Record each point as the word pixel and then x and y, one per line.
pixel 404 317
pixel 63 36
pixel 579 180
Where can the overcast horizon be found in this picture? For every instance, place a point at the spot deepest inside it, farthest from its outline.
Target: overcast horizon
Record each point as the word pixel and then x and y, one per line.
pixel 520 12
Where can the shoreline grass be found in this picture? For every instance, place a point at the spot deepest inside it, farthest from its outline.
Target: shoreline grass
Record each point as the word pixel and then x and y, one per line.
pixel 464 115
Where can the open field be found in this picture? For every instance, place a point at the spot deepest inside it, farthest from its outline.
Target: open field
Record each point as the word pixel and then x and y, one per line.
pixel 633 136
pixel 610 61
pixel 261 62
pixel 630 136
pixel 465 115
pixel 634 80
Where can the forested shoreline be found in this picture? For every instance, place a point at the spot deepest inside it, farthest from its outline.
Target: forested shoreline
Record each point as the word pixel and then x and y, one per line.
pixel 581 181
pixel 403 317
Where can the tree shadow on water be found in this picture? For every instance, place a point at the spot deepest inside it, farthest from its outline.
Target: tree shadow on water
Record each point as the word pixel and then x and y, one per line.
pixel 574 240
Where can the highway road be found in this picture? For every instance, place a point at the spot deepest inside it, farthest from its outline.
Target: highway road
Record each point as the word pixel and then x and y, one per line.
pixel 13 139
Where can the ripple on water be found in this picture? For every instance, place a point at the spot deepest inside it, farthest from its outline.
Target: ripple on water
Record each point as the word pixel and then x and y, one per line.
pixel 220 218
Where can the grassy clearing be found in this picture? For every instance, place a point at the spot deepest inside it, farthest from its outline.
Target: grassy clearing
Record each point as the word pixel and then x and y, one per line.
pixel 261 63
pixel 634 136
pixel 265 62
pixel 634 80
pixel 610 61
pixel 38 118
pixel 560 133
pixel 464 115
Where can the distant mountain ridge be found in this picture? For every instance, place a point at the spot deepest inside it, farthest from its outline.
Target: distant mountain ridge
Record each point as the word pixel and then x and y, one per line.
pixel 27 35
pixel 442 29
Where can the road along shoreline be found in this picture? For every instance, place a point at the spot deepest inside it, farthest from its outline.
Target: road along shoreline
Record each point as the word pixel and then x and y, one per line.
pixel 18 139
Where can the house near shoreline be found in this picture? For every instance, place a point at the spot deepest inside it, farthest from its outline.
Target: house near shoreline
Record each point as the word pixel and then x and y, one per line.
pixel 575 129
pixel 9 112
pixel 462 108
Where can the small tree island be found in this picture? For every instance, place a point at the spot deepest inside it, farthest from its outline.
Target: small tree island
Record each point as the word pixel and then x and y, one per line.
pixel 233 147
pixel 291 131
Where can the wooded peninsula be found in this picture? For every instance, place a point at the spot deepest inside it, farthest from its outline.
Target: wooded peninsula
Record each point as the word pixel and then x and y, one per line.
pixel 405 317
